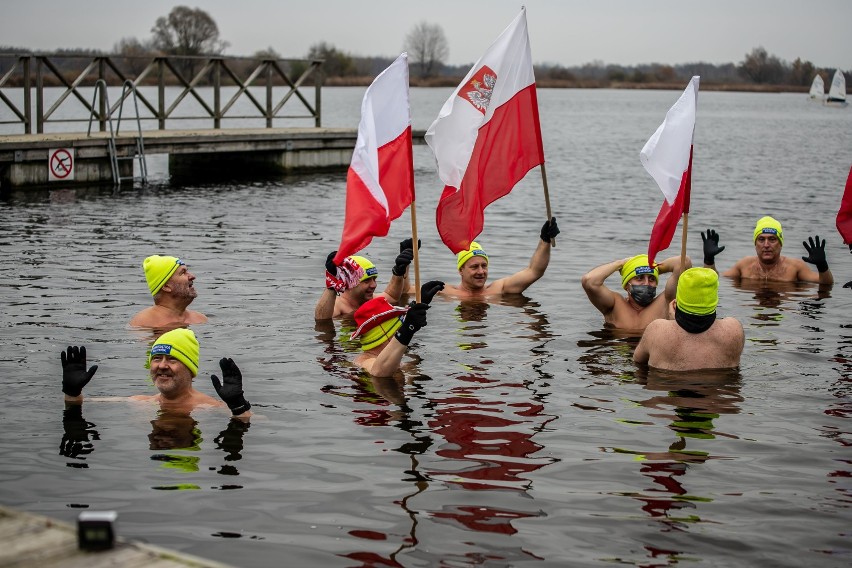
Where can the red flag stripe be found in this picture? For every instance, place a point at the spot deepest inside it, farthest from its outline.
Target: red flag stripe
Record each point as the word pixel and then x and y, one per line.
pixel 507 147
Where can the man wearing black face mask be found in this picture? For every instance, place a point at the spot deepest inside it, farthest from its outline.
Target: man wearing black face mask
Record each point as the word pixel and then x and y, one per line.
pixel 642 305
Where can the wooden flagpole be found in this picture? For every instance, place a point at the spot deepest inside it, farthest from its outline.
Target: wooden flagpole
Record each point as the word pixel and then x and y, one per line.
pixel 683 242
pixel 546 198
pixel 416 251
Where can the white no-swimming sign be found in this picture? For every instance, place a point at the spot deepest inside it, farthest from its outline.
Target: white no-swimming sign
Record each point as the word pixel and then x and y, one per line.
pixel 60 164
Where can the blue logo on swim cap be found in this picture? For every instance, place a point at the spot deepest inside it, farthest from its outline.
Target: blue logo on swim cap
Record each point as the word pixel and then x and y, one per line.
pixel 478 252
pixel 372 271
pixel 769 230
pixel 161 349
pixel 644 270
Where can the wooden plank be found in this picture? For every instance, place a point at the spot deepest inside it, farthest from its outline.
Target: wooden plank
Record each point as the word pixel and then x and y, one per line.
pixel 28 540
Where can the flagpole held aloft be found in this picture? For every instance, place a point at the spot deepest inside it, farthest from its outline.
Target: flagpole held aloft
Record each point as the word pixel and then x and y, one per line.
pixel 547 199
pixel 416 251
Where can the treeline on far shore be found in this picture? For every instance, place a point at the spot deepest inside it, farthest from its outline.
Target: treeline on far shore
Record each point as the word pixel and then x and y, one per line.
pixel 759 71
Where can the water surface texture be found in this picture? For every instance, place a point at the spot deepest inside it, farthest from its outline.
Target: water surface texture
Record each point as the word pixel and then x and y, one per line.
pixel 522 435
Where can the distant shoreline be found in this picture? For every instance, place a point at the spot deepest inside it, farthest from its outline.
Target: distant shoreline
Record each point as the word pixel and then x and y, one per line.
pixel 585 84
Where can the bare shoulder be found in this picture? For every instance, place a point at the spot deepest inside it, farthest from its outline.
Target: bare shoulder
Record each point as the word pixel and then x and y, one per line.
pixel 142 319
pixel 195 317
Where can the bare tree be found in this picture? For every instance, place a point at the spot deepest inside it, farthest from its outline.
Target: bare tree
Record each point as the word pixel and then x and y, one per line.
pixel 427 46
pixel 187 31
pixel 761 67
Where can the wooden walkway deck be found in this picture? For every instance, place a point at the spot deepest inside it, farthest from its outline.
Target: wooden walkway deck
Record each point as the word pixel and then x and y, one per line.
pixel 33 541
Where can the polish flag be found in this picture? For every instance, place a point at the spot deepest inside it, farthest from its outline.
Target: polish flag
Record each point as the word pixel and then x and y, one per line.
pixel 844 215
pixel 380 182
pixel 487 135
pixel 667 156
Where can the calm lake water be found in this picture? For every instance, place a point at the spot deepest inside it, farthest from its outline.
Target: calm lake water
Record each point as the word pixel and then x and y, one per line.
pixel 523 435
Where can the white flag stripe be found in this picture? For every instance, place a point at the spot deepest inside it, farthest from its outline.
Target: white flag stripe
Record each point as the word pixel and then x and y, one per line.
pixel 453 134
pixel 665 155
pixel 385 114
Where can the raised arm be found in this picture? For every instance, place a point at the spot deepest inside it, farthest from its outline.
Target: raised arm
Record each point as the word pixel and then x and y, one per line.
pixel 816 256
pixel 388 361
pixel 230 388
pixel 520 281
pixel 673 265
pixel 594 285
pixel 74 373
pixel 711 247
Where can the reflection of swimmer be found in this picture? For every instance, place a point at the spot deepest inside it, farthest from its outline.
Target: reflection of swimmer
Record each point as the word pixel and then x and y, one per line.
pixel 473 265
pixel 695 339
pixel 174 430
pixel 171 284
pixel 173 366
pixel 769 264
pixel 385 331
pixel 642 305
pixel 353 282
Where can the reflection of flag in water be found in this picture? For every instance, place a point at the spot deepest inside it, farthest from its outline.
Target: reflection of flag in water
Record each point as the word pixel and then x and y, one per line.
pixel 487 135
pixel 844 215
pixel 380 183
pixel 667 157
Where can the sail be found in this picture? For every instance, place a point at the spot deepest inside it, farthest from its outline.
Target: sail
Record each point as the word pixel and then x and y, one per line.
pixel 817 88
pixel 837 92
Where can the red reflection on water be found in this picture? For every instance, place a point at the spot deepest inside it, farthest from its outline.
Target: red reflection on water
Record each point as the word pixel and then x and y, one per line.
pixel 493 438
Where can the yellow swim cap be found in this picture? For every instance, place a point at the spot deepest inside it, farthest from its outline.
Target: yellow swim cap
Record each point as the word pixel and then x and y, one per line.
pixel 465 255
pixel 770 226
pixel 698 291
pixel 370 270
pixel 158 269
pixel 636 266
pixel 377 321
pixel 178 343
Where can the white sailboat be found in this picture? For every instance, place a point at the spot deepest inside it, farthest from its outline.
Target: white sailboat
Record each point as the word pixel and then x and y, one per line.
pixel 837 91
pixel 817 91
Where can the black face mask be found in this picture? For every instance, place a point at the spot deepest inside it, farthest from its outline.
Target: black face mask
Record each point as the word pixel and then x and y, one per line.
pixel 643 295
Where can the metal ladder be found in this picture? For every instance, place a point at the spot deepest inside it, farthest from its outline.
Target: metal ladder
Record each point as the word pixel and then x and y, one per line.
pixel 139 150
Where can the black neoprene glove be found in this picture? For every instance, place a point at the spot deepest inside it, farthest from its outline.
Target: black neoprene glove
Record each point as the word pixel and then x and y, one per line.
pixel 232 389
pixel 816 253
pixel 549 230
pixel 408 244
pixel 848 284
pixel 711 246
pixel 74 373
pixel 329 263
pixel 402 261
pixel 428 290
pixel 414 320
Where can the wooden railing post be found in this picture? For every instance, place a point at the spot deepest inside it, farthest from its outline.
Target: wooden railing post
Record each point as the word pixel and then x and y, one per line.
pixel 28 105
pixel 161 94
pixel 217 90
pixel 39 95
pixel 268 112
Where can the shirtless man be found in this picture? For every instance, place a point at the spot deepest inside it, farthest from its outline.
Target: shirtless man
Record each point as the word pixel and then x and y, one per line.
pixel 473 268
pixel 769 265
pixel 385 331
pixel 170 283
pixel 642 305
pixel 694 339
pixel 353 283
pixel 174 364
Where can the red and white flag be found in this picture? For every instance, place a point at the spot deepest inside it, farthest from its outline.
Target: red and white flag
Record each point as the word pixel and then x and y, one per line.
pixel 380 182
pixel 487 135
pixel 667 156
pixel 844 215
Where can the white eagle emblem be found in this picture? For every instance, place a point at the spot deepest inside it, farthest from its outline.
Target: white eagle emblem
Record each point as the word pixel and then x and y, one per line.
pixel 480 88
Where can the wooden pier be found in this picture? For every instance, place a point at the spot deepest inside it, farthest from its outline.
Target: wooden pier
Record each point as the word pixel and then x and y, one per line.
pixel 26 159
pixel 28 540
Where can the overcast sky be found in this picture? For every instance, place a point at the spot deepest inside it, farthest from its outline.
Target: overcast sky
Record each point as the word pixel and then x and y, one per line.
pixel 567 32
